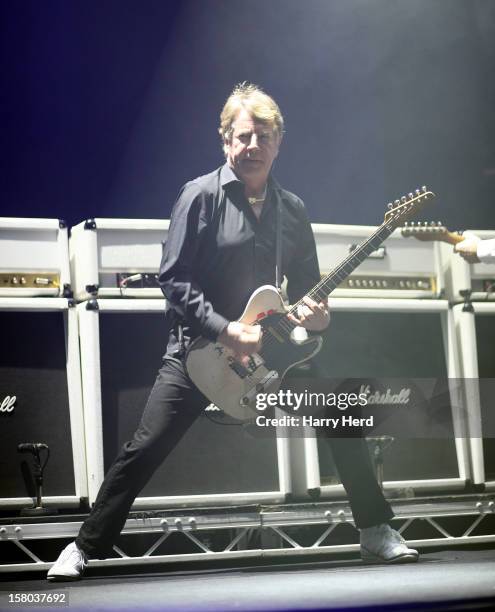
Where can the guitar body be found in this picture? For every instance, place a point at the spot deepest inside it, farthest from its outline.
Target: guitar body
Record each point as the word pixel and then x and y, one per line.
pixel 233 386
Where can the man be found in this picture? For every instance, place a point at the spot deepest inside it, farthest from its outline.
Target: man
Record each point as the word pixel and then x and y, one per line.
pixel 221 246
pixel 475 250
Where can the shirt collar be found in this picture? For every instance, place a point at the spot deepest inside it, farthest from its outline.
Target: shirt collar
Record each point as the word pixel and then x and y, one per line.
pixel 228 176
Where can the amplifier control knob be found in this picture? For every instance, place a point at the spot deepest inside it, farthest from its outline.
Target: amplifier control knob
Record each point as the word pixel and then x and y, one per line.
pixel 384 284
pixel 372 283
pixel 23 280
pixel 365 283
pixel 351 283
pixel 15 280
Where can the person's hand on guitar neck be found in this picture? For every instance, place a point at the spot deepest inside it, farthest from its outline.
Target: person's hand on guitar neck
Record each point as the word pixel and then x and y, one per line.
pixel 468 248
pixel 311 315
pixel 242 339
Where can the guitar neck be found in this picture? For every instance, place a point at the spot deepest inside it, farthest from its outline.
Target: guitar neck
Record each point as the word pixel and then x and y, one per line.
pixel 452 238
pixel 432 233
pixel 324 288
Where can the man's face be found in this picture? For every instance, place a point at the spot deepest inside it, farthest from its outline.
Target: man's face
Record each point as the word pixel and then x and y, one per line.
pixel 252 148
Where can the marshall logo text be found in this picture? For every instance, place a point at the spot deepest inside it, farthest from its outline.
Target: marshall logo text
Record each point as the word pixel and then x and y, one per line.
pixel 375 397
pixel 8 403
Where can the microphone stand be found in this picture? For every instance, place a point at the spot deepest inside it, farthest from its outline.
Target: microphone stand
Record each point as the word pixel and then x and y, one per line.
pixel 37 509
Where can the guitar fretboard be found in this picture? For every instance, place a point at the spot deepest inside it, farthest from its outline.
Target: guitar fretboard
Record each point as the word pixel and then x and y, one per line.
pixel 324 288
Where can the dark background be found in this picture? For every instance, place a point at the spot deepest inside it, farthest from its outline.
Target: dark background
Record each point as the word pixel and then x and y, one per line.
pixel 109 106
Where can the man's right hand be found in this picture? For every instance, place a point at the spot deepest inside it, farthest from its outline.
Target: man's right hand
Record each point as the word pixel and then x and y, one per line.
pixel 242 339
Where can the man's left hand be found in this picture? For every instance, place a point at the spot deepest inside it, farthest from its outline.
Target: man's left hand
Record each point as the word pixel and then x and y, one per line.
pixel 311 315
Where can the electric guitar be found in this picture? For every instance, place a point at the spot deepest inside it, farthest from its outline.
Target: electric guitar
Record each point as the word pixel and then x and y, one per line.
pixel 232 385
pixel 429 232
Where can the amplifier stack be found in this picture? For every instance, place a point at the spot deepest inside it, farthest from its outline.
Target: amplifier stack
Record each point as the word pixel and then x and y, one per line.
pixel 40 381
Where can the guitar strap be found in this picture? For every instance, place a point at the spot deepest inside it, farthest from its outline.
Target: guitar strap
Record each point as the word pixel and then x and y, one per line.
pixel 278 243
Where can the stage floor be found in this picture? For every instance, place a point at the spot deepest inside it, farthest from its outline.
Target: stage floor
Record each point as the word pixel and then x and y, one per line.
pixel 446 576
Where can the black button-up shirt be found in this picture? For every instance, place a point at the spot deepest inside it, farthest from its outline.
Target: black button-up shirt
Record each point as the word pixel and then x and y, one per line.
pixel 217 253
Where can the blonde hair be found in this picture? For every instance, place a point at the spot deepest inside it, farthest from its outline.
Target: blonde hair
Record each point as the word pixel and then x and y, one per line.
pixel 258 104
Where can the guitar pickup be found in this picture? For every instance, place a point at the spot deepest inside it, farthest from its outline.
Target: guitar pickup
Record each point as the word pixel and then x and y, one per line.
pixel 241 370
pixel 254 362
pixel 238 368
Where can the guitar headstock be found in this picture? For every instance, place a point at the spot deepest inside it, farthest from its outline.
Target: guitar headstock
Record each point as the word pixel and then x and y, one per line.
pixel 407 206
pixel 430 232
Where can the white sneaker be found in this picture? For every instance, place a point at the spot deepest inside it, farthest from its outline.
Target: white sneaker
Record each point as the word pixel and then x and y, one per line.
pixel 383 544
pixel 70 565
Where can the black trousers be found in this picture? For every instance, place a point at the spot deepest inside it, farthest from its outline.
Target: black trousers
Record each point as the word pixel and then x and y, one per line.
pixel 173 405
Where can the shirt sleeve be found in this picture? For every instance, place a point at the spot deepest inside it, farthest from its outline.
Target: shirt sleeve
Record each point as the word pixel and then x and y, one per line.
pixel 486 250
pixel 303 272
pixel 176 277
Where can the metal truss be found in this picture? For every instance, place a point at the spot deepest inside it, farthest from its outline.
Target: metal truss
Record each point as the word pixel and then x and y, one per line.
pixel 262 531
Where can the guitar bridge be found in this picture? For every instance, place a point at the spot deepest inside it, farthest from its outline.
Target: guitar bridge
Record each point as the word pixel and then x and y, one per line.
pixel 266 383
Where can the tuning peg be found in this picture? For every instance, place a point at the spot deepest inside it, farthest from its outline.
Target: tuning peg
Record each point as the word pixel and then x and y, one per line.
pixel 417 192
pixel 390 205
pixel 396 203
pixel 432 223
pixel 410 196
pixel 439 223
pixel 424 189
pixel 403 199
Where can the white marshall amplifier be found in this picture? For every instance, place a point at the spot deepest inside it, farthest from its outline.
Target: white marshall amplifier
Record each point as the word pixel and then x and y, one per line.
pixel 475 282
pixel 399 268
pixel 34 258
pixel 117 257
pixel 41 402
pixel 122 342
